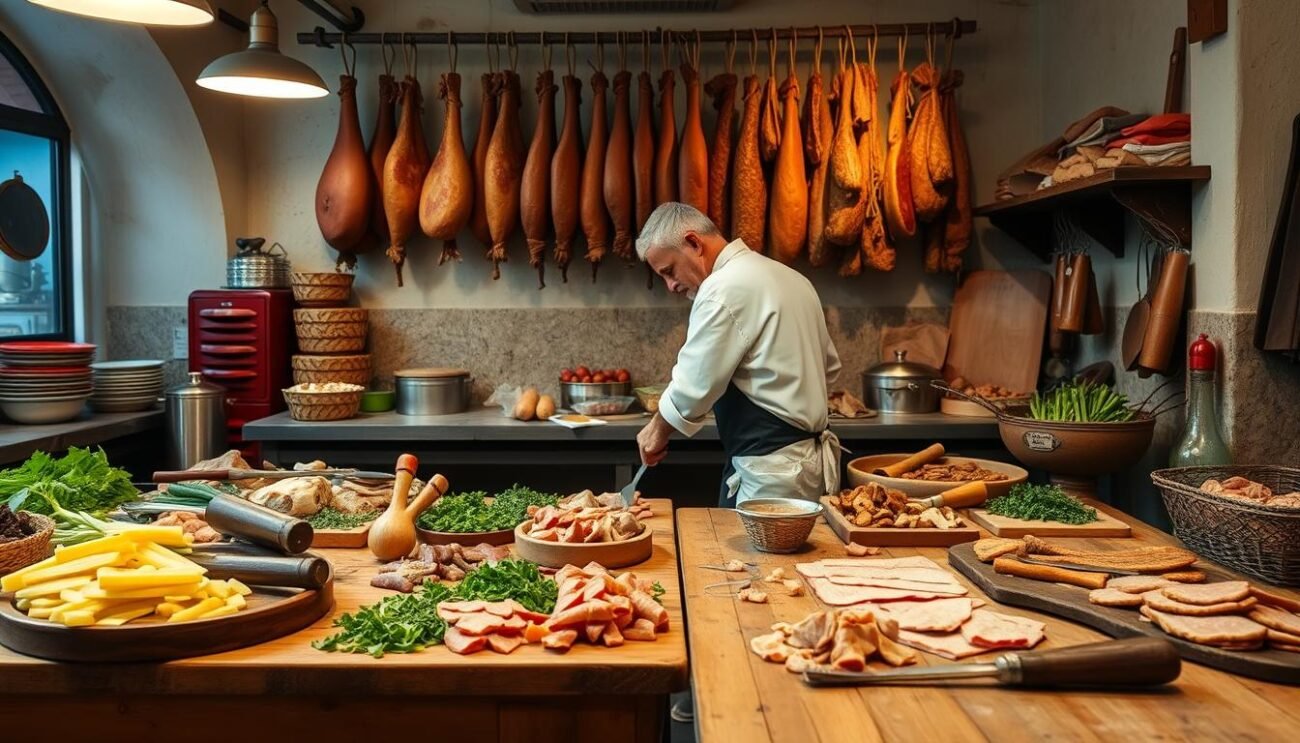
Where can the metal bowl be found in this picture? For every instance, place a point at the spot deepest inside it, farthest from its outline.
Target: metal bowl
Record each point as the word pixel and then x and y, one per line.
pixel 571 392
pixel 779 525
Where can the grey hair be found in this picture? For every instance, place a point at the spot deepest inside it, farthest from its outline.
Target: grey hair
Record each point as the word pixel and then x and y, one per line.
pixel 667 225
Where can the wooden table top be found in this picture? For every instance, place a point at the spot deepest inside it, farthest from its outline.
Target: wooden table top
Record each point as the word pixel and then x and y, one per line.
pixel 740 697
pixel 291 666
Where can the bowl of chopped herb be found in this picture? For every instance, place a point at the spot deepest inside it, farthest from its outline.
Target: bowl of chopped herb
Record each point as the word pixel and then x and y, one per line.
pixel 477 518
pixel 334 528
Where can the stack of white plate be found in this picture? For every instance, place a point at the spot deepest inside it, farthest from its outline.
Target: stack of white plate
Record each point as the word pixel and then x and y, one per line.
pixel 43 394
pixel 127 386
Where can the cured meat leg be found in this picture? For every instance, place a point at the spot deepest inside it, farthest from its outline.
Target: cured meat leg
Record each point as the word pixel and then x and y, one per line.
pixel 769 128
pixel 478 223
pixel 504 171
pixel 877 252
pixel 816 140
pixel 846 184
pixel 345 192
pixel 380 142
pixel 595 219
pixel 448 195
pixel 788 222
pixel 899 211
pixel 723 90
pixel 666 149
pixel 959 223
pixel 748 185
pixel 931 161
pixel 643 146
pixel 693 157
pixel 404 171
pixel 619 199
pixel 566 175
pixel 535 191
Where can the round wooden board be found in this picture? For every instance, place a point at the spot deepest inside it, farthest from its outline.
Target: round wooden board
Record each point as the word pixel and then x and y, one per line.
pixel 610 554
pixel 466 539
pixel 860 474
pixel 272 612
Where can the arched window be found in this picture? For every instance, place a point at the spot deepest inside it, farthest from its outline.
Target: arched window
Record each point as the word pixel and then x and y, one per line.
pixel 35 294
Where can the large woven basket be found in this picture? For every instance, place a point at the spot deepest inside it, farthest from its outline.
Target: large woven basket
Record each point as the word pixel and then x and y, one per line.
pixel 321 289
pixel 778 532
pixel 20 553
pixel 323 406
pixel 332 345
pixel 1260 541
pixel 354 369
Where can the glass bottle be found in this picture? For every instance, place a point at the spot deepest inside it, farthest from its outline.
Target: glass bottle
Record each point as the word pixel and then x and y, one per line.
pixel 1200 443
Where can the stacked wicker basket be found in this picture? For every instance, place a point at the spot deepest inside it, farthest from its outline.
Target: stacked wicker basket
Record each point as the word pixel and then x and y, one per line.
pixel 331 337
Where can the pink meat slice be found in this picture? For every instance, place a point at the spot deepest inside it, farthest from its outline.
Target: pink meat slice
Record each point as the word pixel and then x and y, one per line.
pixel 989 629
pixel 521 611
pixel 922 575
pixel 504 644
pixel 480 623
pixel 951 588
pixel 881 562
pixel 562 640
pixel 464 607
pixel 951 646
pixel 834 594
pixel 503 609
pixel 940 615
pixel 462 644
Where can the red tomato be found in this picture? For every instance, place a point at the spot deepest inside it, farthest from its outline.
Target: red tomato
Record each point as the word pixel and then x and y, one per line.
pixel 583 371
pixel 585 379
pixel 598 377
pixel 610 373
pixel 566 371
pixel 623 376
pixel 625 371
pixel 566 376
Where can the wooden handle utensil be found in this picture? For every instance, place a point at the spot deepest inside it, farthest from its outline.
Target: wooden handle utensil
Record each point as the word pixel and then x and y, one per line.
pixel 1166 312
pixel 965 495
pixel 923 457
pixel 1075 303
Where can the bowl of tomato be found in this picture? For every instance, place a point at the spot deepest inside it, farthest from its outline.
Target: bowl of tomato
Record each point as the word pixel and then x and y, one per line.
pixel 584 384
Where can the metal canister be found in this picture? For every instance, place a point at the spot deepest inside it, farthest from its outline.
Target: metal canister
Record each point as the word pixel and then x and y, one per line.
pixel 196 422
pixel 253 268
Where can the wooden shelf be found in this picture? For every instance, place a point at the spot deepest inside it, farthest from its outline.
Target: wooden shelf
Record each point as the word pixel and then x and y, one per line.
pixel 1154 195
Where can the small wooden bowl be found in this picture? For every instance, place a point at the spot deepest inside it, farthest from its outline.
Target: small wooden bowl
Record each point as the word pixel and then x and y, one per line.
pixel 466 539
pixel 610 554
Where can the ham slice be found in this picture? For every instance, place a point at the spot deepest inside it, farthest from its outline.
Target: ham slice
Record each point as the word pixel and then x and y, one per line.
pixel 940 615
pixel 1209 593
pixel 951 646
pixel 504 644
pixel 479 623
pixel 951 588
pixel 833 594
pixel 1221 630
pixel 642 630
pixel 561 641
pixel 922 575
pixel 1138 583
pixel 881 562
pixel 461 643
pixel 987 629
pixel 464 607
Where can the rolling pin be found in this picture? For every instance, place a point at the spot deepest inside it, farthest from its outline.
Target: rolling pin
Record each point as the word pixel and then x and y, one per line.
pixel 925 456
pixel 966 495
pixel 260 525
pixel 289 572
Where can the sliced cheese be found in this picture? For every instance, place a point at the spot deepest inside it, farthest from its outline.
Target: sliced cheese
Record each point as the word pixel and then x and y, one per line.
pixel 164 555
pixel 112 543
pixel 40 613
pixel 167 608
pixel 167 536
pixel 219 588
pixel 45 603
pixel 53 587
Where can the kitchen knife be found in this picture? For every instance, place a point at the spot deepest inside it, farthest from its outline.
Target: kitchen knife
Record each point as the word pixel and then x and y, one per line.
pixel 1137 661
pixel 966 495
pixel 1034 559
pixel 238 474
pixel 628 493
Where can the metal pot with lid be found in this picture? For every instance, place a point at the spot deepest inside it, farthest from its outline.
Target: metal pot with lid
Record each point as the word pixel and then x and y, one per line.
pixel 196 422
pixel 253 268
pixel 901 386
pixel 432 391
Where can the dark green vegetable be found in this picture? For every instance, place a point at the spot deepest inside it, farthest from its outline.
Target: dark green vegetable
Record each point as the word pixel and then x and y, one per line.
pixel 1041 503
pixel 1080 402
pixel 407 622
pixel 332 518
pixel 187 494
pixel 657 592
pixel 464 513
pixel 81 480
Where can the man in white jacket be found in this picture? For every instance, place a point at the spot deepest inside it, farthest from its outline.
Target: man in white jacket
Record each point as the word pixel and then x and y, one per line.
pixel 757 354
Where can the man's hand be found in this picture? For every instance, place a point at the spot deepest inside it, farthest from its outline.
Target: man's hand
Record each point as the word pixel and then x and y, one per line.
pixel 653 440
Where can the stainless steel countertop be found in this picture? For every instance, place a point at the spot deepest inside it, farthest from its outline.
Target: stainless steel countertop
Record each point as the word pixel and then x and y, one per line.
pixel 487 424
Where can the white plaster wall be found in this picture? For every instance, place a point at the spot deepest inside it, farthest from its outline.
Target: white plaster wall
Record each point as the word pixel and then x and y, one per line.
pixel 150 203
pixel 287 143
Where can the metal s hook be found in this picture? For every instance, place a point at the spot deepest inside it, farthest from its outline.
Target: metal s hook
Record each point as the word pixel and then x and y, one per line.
pixel 453 51
pixel 512 50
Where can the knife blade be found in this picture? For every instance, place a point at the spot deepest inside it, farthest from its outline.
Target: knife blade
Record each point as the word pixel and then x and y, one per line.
pixel 1075 566
pixel 628 493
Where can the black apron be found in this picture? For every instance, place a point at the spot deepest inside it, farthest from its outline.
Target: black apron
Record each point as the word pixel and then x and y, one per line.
pixel 746 430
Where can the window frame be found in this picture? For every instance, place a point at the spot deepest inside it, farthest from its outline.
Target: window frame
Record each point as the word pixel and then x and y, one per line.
pixel 48 124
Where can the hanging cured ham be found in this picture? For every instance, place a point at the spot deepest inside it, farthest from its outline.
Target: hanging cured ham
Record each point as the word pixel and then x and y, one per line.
pixel 722 88
pixel 817 145
pixel 404 171
pixel 595 220
pixel 566 175
pixel 931 161
pixel 447 198
pixel 619 198
pixel 959 222
pixel 504 170
pixel 788 217
pixel 380 142
pixel 344 194
pixel 478 223
pixel 643 146
pixel 748 186
pixel 666 147
pixel 846 183
pixel 693 155
pixel 877 251
pixel 535 191
pixel 899 211
pixel 769 126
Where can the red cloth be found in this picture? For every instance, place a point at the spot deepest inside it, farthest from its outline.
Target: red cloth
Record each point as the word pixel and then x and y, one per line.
pixel 1148 139
pixel 1164 124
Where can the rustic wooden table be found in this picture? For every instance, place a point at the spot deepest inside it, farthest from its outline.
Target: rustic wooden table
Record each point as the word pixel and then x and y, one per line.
pixel 285 690
pixel 739 697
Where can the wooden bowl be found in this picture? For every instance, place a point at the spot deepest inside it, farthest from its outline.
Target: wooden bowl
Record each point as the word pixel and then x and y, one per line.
pixel 610 554
pixel 466 539
pixel 860 474
pixel 1076 449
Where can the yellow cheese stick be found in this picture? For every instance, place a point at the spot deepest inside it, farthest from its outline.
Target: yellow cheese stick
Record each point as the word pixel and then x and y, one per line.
pixel 63 570
pixel 238 587
pixel 219 589
pixel 925 456
pixel 127 581
pixel 45 613
pixel 221 611
pixel 53 587
pixel 167 536
pixel 196 611
pixel 181 590
pixel 15 580
pixel 79 618
pixel 23 604
pixel 167 608
pixel 169 558
pixel 112 543
pixel 236 601
pixel 45 603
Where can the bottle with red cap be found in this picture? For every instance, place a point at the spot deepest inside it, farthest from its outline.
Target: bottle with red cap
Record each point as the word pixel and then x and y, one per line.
pixel 1200 443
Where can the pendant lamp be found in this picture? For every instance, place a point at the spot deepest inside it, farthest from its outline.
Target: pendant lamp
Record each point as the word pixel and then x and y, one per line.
pixel 144 12
pixel 261 70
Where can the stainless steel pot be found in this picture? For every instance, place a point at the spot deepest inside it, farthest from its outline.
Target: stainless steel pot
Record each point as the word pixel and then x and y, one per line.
pixel 432 391
pixel 901 386
pixel 196 423
pixel 571 392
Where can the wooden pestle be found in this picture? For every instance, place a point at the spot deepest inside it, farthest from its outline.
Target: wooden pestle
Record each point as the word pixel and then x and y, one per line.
pixel 925 456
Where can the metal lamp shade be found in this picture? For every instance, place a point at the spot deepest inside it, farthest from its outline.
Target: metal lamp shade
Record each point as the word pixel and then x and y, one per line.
pixel 261 70
pixel 144 12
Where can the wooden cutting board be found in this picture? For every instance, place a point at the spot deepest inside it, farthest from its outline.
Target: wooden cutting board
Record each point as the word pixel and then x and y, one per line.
pixel 849 533
pixel 996 329
pixel 1071 602
pixel 341 538
pixel 1003 526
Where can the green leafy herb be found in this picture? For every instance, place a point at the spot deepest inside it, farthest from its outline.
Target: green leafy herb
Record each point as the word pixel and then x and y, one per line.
pixel 464 513
pixel 81 480
pixel 332 518
pixel 1041 503
pixel 1080 402
pixel 657 592
pixel 407 622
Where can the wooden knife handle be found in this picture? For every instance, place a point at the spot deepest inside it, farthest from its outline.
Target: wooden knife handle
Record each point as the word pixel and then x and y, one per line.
pixel 1137 661
pixel 187 475
pixel 925 456
pixel 965 495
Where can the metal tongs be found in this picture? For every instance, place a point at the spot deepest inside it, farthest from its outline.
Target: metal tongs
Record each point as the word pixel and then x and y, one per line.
pixel 1138 661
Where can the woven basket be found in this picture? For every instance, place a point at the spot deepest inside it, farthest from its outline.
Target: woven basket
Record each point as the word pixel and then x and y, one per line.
pixel 356 362
pixel 321 296
pixel 312 315
pixel 20 553
pixel 332 345
pixel 779 534
pixel 351 376
pixel 322 406
pixel 1260 541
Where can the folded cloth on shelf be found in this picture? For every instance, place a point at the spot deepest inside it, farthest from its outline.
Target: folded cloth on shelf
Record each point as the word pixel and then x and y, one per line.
pixel 1157 149
pixel 1101 130
pixel 1158 129
pixel 1026 174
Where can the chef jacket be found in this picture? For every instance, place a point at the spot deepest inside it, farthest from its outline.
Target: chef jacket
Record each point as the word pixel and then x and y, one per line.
pixel 758 324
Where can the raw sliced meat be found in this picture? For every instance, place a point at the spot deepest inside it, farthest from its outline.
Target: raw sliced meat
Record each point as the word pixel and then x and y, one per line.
pixel 952 588
pixel 1209 593
pixel 461 643
pixel 922 575
pixel 611 637
pixel 642 630
pixel 837 595
pixel 594 630
pixel 1276 619
pixel 1115 597
pixel 448 615
pixel 951 646
pixel 479 623
pixel 562 640
pixel 915 561
pixel 504 644
pixel 1231 629
pixel 464 607
pixel 591 611
pixel 503 609
pixel 940 615
pixel 987 629
pixel 1161 602
pixel 1138 583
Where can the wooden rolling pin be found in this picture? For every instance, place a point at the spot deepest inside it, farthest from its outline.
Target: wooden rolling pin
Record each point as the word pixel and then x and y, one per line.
pixel 923 457
pixel 1048 573
pixel 965 495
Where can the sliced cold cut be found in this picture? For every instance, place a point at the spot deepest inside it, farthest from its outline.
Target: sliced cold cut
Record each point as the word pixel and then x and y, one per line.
pixel 834 594
pixel 1208 593
pixel 1220 630
pixel 951 646
pixel 951 588
pixel 939 615
pixel 987 629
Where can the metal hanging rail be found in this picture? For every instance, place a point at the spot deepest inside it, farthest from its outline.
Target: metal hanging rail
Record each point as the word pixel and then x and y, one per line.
pixel 954 27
